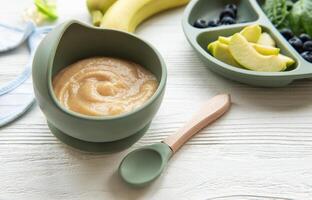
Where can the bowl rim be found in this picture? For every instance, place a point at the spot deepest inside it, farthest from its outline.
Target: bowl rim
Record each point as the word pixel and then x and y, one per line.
pixel 157 93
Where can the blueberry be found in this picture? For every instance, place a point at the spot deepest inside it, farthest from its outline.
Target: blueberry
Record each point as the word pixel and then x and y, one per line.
pixel 307 46
pixel 307 55
pixel 200 23
pixel 287 33
pixel 227 13
pixel 227 21
pixel 304 37
pixel 232 7
pixel 213 23
pixel 296 43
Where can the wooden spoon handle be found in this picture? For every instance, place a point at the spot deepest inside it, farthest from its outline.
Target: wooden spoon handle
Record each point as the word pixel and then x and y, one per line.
pixel 208 113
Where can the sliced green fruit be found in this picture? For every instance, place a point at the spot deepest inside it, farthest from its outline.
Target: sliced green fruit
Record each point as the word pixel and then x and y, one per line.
pixel 252 33
pixel 289 61
pixel 266 39
pixel 265 50
pixel 46 8
pixel 224 40
pixel 244 53
pixel 221 52
pixel 211 47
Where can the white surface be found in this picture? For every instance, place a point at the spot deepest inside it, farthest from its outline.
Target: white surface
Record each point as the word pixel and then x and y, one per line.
pixel 263 146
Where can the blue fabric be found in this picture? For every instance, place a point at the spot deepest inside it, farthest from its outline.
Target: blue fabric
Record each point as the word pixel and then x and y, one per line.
pixel 14 37
pixel 17 37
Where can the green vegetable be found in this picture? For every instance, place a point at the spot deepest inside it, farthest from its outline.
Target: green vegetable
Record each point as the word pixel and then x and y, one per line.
pixel 47 8
pixel 307 18
pixel 295 18
pixel 301 17
pixel 278 12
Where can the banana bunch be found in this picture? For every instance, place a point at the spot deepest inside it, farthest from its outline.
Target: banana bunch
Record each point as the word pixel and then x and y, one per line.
pixel 126 15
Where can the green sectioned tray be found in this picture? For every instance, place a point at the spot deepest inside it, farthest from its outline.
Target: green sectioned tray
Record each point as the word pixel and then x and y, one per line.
pixel 249 12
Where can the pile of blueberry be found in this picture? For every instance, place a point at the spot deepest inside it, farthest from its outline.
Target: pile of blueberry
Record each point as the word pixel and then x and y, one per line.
pixel 227 16
pixel 302 44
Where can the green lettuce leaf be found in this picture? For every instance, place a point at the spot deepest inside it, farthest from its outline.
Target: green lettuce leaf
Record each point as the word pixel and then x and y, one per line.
pixel 295 17
pixel 300 17
pixel 277 11
pixel 306 18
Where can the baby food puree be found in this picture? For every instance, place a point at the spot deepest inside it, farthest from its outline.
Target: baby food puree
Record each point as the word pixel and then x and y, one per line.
pixel 104 86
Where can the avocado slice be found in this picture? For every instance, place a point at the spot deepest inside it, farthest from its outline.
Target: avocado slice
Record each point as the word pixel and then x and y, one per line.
pixel 244 53
pixel 266 39
pixel 221 52
pixel 289 61
pixel 211 47
pixel 224 40
pixel 252 33
pixel 265 50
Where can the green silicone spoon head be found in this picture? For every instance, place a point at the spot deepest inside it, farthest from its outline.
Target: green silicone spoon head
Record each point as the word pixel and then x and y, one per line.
pixel 144 165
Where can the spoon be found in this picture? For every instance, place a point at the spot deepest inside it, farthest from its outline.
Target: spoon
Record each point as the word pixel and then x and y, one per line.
pixel 144 165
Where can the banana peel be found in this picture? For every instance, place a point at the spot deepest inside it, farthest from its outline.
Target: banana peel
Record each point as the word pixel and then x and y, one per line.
pixel 126 15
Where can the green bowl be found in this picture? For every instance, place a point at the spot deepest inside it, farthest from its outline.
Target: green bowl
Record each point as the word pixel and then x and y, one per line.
pixel 249 12
pixel 73 41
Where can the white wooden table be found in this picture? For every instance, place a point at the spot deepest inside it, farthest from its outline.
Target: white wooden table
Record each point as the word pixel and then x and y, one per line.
pixel 263 146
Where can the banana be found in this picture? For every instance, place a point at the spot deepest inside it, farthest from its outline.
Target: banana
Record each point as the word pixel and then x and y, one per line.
pixel 126 15
pixel 97 8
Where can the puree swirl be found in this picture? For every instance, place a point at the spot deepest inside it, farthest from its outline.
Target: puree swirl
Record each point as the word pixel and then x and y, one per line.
pixel 103 86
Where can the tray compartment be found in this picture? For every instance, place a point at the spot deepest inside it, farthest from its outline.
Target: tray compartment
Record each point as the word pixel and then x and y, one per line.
pixel 211 9
pixel 204 38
